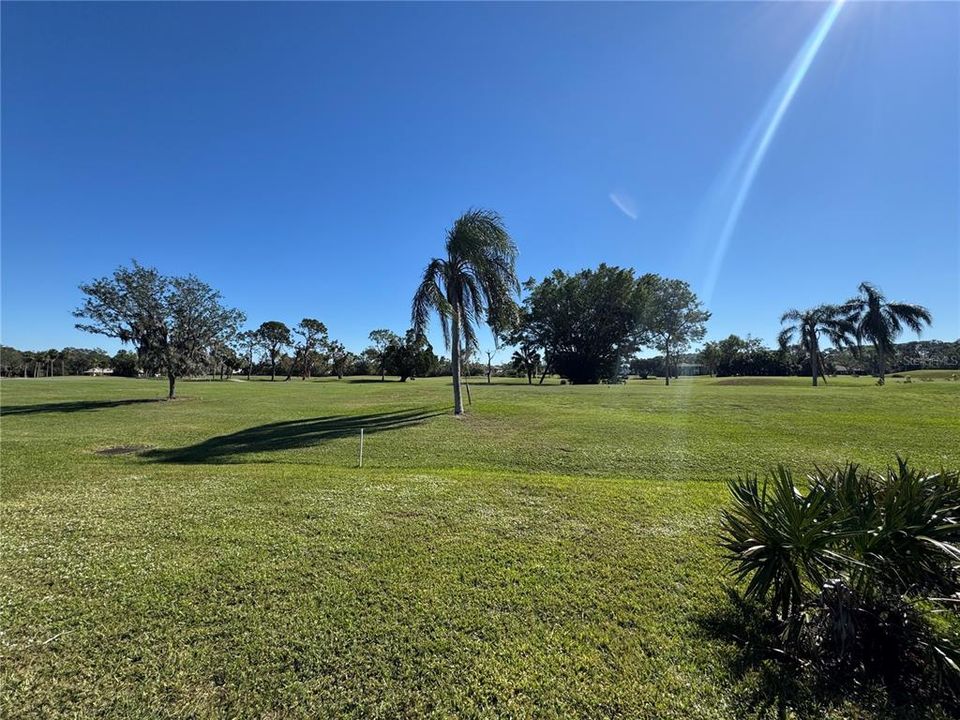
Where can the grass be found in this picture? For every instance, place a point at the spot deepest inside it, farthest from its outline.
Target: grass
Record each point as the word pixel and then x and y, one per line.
pixel 935 374
pixel 550 555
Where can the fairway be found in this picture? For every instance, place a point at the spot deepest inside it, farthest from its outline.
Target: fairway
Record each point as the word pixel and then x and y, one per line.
pixel 550 554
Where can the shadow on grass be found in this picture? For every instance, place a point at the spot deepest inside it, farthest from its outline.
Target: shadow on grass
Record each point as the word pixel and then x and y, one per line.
pixel 289 435
pixel 770 683
pixel 773 683
pixel 72 406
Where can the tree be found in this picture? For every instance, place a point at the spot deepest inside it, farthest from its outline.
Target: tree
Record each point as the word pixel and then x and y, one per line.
pixel 170 320
pixel 222 355
pixel 11 360
pixel 711 356
pixel 273 336
pixel 587 323
pixel 124 363
pixel 382 340
pixel 829 321
pixel 525 360
pixel 880 322
pixel 673 318
pixel 410 357
pixel 314 334
pixel 474 283
pixel 247 342
pixel 340 358
pixel 490 354
pixel 521 334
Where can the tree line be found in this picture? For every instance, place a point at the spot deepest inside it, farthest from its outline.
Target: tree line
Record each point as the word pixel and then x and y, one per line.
pixel 51 362
pixel 586 327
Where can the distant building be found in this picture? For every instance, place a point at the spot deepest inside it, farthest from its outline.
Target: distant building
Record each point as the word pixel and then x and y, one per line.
pixel 95 371
pixel 691 369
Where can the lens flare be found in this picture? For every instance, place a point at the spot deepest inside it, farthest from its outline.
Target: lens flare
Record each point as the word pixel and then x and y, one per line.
pixel 746 162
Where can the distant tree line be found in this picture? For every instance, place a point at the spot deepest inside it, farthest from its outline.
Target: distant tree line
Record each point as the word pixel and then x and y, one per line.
pixel 586 327
pixel 52 362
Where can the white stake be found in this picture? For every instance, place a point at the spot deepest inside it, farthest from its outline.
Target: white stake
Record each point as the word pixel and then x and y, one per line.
pixel 361 447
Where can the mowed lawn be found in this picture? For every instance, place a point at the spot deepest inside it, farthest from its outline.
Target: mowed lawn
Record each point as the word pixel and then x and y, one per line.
pixel 550 555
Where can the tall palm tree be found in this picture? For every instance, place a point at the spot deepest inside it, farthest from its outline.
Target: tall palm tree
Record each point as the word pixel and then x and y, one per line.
pixel 880 322
pixel 831 322
pixel 475 283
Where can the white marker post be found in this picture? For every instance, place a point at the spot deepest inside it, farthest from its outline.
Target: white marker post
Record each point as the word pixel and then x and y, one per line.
pixel 361 448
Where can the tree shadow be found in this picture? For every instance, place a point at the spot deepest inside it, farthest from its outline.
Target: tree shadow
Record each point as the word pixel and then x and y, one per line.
pixel 72 406
pixel 288 435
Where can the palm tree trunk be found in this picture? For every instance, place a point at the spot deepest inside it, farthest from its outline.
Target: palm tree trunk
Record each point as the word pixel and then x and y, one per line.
pixel 455 362
pixel 172 379
pixel 883 364
pixel 814 361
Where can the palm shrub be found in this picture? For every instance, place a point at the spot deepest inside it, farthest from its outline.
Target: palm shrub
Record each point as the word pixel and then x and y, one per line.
pixel 859 568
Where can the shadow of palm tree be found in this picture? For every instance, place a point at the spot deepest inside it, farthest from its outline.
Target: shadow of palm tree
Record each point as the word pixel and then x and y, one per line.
pixel 288 435
pixel 72 406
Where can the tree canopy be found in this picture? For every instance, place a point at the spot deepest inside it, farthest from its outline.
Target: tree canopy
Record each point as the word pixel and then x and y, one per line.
pixel 313 334
pixel 672 319
pixel 382 339
pixel 273 336
pixel 588 323
pixel 410 357
pixel 171 321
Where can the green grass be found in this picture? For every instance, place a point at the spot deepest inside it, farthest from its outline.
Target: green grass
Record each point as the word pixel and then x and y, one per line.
pixel 550 555
pixel 935 374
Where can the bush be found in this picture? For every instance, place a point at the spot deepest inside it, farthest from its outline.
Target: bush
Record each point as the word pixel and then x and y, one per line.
pixel 859 569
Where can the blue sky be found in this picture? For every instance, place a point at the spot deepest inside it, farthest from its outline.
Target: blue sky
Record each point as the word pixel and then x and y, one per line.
pixel 306 159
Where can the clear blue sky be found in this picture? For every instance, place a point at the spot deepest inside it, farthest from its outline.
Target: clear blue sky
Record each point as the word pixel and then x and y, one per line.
pixel 306 159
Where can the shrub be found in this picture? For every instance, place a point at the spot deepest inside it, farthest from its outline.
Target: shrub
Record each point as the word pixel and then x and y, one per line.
pixel 854 567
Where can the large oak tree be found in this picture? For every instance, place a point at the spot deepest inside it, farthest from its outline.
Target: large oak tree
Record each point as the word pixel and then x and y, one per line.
pixel 171 321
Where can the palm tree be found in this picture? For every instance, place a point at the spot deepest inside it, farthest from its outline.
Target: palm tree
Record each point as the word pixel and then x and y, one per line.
pixel 474 283
pixel 880 322
pixel 526 359
pixel 829 321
